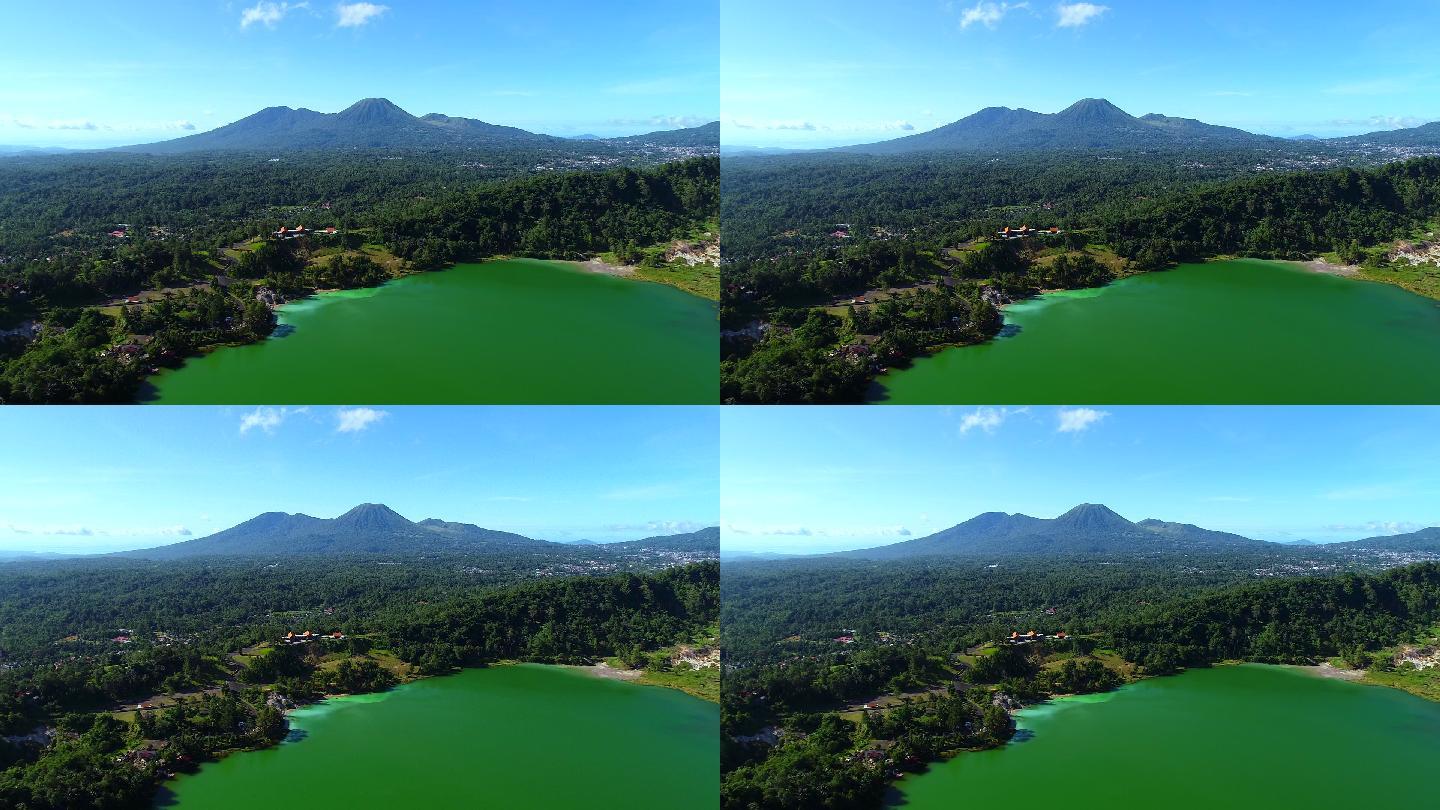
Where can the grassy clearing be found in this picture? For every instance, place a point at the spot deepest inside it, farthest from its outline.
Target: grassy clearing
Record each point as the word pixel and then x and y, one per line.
pixel 1422 682
pixel 701 683
pixel 702 279
pixel 1420 280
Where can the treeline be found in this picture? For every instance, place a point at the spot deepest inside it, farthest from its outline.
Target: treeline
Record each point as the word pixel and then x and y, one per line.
pixel 778 205
pixel 69 687
pixel 1294 621
pixel 57 203
pixel 82 355
pixel 1285 216
pixel 786 744
pixel 950 604
pixel 556 216
pixel 808 356
pixel 823 759
pixel 571 620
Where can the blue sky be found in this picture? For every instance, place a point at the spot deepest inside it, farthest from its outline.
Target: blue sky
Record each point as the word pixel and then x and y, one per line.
pixel 108 478
pixel 824 479
pixel 92 73
pixel 831 72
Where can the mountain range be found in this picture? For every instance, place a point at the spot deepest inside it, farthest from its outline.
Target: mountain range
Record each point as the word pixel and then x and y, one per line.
pixel 377 123
pixel 377 529
pixel 1097 529
pixel 1095 123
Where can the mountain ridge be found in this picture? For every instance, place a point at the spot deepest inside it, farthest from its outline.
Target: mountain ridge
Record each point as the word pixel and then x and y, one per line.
pixel 1085 529
pixel 378 123
pixel 1096 123
pixel 376 529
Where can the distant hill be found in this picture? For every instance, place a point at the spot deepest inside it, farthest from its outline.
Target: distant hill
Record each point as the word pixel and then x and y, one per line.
pixel 1422 540
pixel 703 135
pixel 370 123
pixel 1086 529
pixel 1090 123
pixel 9 150
pixel 748 556
pixel 698 541
pixel 21 556
pixel 366 529
pixel 377 123
pixel 1423 135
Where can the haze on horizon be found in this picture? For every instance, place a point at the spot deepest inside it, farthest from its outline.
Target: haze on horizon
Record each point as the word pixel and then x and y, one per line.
pixel 101 479
pixel 814 74
pixel 91 75
pixel 808 480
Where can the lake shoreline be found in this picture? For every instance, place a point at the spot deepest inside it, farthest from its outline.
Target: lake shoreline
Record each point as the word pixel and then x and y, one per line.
pixel 144 391
pixel 545 695
pixel 416 329
pixel 1325 670
pixel 938 784
pixel 601 670
pixel 1124 325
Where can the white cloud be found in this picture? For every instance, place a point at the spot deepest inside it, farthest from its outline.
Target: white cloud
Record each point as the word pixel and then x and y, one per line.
pixel 667 526
pixel 986 419
pixel 1375 122
pixel 354 420
pixel 988 14
pixel 1074 15
pixel 354 15
pixel 670 121
pixel 268 13
pixel 1077 420
pixel 1378 527
pixel 266 419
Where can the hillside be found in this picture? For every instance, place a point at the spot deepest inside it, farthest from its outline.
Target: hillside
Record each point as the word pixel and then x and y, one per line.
pixel 1086 529
pixel 702 540
pixel 1087 124
pixel 703 135
pixel 377 123
pixel 1422 540
pixel 366 529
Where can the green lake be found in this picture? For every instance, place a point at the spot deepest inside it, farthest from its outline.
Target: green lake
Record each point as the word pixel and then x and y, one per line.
pixel 1233 332
pixel 510 736
pixel 516 331
pixel 1236 736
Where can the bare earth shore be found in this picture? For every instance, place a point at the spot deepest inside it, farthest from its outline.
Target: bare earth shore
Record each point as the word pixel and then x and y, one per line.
pixel 604 670
pixel 597 266
pixel 1329 670
pixel 1321 266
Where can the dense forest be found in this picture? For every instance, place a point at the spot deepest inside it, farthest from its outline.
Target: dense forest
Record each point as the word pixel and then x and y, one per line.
pixel 1283 622
pixel 845 674
pixel 117 673
pixel 857 241
pixel 1287 216
pixel 67 264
